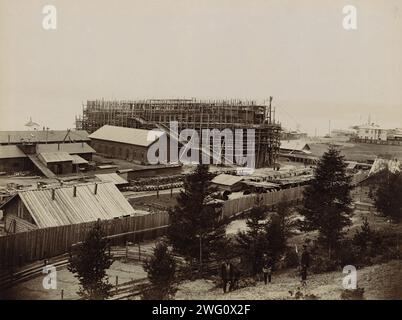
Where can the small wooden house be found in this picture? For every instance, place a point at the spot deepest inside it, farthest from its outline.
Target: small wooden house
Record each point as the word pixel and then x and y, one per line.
pixel 64 205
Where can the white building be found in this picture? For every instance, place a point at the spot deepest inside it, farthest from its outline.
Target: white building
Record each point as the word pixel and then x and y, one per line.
pixel 372 132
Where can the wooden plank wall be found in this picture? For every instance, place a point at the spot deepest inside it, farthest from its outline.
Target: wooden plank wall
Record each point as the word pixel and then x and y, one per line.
pixel 19 248
pixel 239 205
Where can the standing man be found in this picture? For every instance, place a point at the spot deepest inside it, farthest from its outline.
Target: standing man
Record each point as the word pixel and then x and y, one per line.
pixel 267 269
pixel 227 274
pixel 304 264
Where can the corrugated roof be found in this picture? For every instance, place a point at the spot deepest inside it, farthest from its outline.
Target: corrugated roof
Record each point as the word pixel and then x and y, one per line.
pixel 14 137
pixel 78 160
pixel 133 136
pixel 48 157
pixel 71 148
pixel 111 177
pixel 11 152
pixel 226 179
pixel 66 209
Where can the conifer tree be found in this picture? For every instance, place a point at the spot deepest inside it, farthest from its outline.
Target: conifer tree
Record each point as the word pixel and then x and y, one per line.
pixel 252 243
pixel 388 196
pixel 195 227
pixel 276 238
pixel 161 268
pixel 89 264
pixel 327 200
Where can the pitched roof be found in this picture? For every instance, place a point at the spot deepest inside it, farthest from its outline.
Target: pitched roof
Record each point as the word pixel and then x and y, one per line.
pixel 11 151
pixel 139 137
pixel 351 165
pixel 226 179
pixel 111 177
pixel 78 160
pixel 55 157
pixel 65 209
pixel 71 148
pixel 295 145
pixel 14 137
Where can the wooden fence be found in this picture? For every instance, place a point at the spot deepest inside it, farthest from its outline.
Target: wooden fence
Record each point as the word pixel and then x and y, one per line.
pixel 20 248
pixel 239 205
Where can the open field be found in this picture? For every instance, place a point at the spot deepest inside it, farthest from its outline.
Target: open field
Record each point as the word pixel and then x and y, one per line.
pixel 359 151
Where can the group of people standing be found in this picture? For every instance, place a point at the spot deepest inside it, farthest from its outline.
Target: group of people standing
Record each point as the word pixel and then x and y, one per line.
pixel 229 272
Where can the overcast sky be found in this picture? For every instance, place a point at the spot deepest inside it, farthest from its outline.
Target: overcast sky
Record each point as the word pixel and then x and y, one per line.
pixel 296 51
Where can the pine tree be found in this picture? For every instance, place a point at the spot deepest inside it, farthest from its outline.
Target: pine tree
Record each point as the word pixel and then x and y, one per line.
pixel 276 238
pixel 161 268
pixel 327 200
pixel 195 225
pixel 252 243
pixel 89 264
pixel 364 237
pixel 388 196
pixel 284 215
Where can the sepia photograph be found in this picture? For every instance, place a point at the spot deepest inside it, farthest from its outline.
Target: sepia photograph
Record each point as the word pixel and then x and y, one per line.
pixel 218 151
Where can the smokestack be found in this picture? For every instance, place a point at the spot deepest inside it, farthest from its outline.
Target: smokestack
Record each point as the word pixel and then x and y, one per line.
pixel 75 191
pixel 96 189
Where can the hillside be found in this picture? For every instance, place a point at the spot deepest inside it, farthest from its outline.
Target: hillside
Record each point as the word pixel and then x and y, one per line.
pixel 383 281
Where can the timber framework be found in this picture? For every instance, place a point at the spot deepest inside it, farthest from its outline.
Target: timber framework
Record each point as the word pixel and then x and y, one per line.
pixel 190 114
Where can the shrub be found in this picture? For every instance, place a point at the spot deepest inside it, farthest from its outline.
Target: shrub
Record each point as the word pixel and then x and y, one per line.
pixel 350 254
pixel 291 259
pixel 353 294
pixel 321 263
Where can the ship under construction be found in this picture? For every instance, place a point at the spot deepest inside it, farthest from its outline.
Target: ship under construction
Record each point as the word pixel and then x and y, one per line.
pixel 190 114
